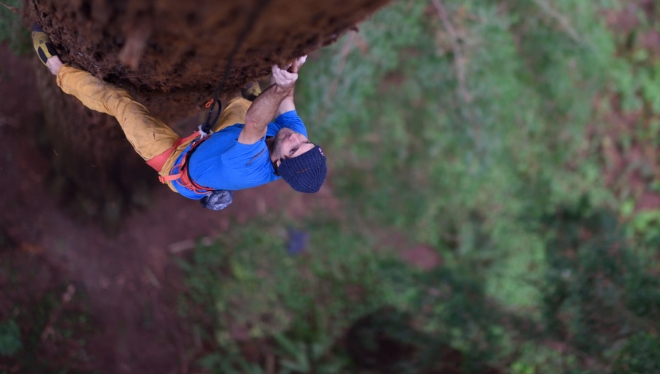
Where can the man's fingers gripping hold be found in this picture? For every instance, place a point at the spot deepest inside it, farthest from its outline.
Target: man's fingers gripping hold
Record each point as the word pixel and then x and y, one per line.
pixel 298 63
pixel 282 77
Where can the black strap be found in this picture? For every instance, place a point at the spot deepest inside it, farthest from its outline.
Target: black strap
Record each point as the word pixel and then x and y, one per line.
pixel 252 18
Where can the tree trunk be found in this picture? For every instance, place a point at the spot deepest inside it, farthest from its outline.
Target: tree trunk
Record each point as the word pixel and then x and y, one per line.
pixel 171 55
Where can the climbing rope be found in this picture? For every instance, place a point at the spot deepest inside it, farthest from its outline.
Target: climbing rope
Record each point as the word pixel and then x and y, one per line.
pixel 205 128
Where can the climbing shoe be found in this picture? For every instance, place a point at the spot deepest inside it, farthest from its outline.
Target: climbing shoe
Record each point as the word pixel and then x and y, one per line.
pixel 251 91
pixel 42 44
pixel 217 200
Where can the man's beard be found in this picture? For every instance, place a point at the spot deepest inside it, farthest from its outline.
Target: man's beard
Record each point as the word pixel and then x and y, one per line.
pixel 277 141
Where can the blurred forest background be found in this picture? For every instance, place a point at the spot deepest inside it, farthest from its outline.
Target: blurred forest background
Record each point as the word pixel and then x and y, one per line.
pixel 496 169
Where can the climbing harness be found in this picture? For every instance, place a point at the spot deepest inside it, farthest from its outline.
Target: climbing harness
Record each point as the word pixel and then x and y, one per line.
pixel 183 176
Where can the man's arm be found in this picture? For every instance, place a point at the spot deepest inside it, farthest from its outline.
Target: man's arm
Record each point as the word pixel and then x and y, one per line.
pixel 287 103
pixel 267 104
pixel 261 112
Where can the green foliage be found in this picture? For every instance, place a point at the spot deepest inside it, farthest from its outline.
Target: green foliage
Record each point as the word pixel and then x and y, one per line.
pixel 46 324
pixel 643 294
pixel 438 149
pixel 538 359
pixel 10 338
pixel 304 305
pixel 450 307
pixel 641 354
pixel 411 152
pixel 256 290
pixel 634 83
pixel 13 30
pixel 597 288
pixel 67 335
pixel 594 290
pixel 308 358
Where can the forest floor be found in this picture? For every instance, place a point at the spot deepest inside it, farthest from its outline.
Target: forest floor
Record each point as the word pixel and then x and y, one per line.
pixel 629 145
pixel 128 277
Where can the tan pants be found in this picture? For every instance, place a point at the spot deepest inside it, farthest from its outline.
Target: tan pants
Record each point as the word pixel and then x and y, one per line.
pixel 149 136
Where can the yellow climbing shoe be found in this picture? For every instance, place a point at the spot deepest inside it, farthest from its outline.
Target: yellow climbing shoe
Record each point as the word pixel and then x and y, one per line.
pixel 42 44
pixel 251 91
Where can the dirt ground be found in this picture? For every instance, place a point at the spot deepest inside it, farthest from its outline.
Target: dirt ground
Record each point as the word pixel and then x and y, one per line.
pixel 128 276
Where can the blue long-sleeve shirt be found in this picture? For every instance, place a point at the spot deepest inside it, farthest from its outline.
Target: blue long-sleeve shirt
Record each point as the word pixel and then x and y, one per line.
pixel 222 163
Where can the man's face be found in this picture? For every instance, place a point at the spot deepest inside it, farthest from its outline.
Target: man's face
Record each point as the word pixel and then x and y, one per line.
pixel 289 144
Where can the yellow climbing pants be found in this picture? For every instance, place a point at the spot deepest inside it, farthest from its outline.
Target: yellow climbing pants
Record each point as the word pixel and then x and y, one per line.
pixel 149 136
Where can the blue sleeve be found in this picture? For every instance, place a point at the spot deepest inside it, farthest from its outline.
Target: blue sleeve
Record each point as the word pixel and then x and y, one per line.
pixel 289 119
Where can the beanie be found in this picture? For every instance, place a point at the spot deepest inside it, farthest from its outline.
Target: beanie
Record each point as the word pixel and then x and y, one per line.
pixel 305 173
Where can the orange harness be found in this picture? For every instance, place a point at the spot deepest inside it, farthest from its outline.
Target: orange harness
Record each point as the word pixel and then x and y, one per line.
pixel 182 176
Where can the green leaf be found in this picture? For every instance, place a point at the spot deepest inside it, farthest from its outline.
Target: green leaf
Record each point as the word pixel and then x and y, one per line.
pixel 10 338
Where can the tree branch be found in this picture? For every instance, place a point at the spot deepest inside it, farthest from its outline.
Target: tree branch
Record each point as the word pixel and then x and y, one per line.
pixel 563 21
pixel 345 51
pixel 458 55
pixel 11 8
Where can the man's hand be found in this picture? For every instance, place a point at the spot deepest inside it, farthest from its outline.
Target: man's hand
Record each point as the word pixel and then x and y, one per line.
pixel 287 103
pixel 278 96
pixel 283 78
pixel 286 77
pixel 295 67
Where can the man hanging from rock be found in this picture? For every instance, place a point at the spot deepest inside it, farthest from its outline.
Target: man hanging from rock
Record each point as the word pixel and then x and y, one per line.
pixel 245 149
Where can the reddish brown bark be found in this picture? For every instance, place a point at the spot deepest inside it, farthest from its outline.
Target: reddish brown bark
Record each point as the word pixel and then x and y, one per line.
pixel 174 52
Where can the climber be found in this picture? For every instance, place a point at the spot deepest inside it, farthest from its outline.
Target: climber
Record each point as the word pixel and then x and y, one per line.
pixel 245 149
